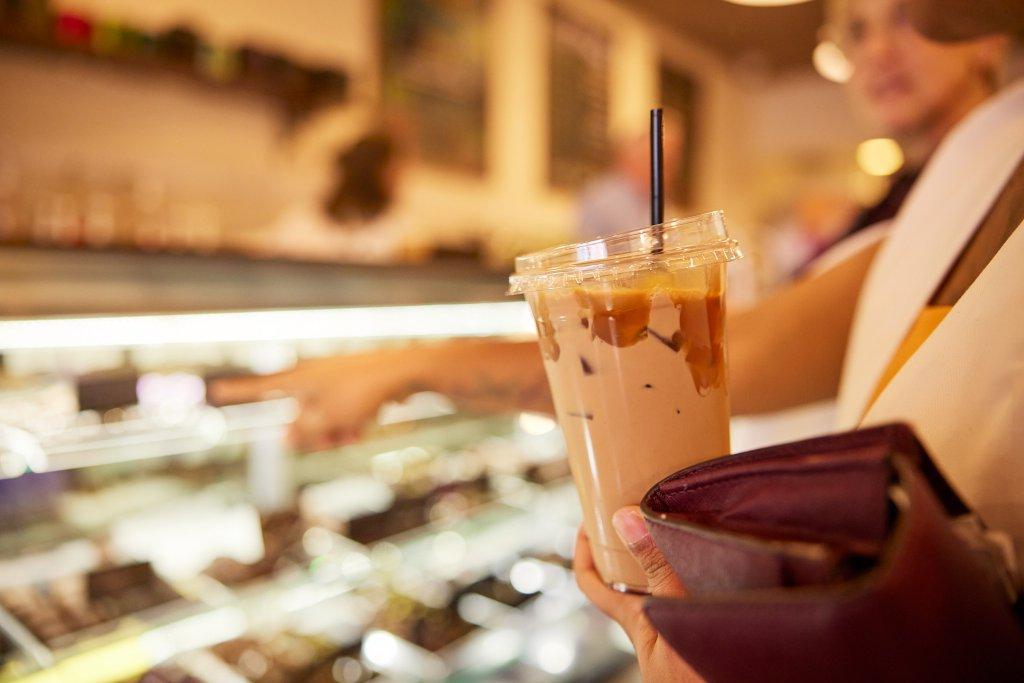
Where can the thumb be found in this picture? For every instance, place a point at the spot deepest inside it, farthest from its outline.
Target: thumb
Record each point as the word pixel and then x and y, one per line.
pixel 661 580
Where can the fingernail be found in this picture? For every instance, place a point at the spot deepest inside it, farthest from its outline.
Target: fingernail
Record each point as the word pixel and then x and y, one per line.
pixel 630 526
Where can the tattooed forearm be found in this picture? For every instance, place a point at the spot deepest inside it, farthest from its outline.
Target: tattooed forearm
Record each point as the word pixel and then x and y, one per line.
pixel 490 376
pixel 486 393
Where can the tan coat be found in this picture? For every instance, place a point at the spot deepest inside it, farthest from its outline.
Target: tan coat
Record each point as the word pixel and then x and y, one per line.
pixel 963 390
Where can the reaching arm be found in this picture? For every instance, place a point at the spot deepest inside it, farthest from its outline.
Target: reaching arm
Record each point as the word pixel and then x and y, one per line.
pixel 339 395
pixel 488 376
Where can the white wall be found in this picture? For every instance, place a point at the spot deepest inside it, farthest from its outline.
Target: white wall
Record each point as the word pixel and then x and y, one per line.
pixel 801 112
pixel 62 112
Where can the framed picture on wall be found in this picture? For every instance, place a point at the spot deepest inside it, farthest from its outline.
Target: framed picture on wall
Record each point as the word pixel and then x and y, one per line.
pixel 578 97
pixel 434 73
pixel 679 91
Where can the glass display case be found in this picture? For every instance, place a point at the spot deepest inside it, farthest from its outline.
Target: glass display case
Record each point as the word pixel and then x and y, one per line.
pixel 146 534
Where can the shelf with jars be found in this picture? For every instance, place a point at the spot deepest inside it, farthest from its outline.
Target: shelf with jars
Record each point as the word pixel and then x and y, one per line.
pixel 179 52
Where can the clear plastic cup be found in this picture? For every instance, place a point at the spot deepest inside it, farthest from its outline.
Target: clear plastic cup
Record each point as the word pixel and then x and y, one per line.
pixel 632 330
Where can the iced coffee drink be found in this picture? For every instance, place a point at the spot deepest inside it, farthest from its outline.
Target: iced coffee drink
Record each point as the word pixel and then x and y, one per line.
pixel 632 332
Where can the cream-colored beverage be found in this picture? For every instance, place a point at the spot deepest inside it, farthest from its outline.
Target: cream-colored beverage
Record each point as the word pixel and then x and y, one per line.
pixel 632 330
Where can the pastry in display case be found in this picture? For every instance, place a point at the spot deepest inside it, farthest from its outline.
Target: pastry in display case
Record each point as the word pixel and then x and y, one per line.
pixel 54 611
pixel 147 535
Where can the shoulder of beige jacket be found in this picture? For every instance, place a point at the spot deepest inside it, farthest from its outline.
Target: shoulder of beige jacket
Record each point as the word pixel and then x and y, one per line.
pixel 949 200
pixel 963 391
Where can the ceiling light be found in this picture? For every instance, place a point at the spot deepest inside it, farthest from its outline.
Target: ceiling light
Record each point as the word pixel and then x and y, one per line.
pixel 766 3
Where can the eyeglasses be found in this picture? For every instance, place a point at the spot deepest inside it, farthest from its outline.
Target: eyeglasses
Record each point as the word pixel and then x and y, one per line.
pixel 854 30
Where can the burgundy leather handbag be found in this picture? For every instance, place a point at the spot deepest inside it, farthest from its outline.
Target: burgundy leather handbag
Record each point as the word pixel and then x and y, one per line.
pixel 841 558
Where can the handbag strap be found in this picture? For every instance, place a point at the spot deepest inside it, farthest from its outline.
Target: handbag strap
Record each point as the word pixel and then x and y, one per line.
pixel 1003 217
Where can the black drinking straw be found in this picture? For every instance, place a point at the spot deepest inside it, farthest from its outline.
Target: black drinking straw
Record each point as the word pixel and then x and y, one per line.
pixel 657 180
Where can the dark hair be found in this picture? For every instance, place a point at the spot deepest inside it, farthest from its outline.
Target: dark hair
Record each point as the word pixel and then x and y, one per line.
pixel 362 192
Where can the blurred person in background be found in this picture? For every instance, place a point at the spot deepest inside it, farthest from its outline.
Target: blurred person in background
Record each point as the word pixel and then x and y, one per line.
pixel 804 230
pixel 905 87
pixel 357 220
pixel 908 87
pixel 620 200
pixel 925 328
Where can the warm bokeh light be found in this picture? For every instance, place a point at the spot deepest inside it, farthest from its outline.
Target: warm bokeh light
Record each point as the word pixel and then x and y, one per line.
pixel 879 156
pixel 830 62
